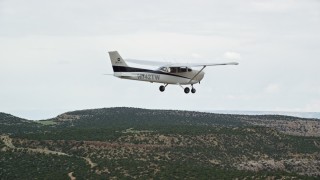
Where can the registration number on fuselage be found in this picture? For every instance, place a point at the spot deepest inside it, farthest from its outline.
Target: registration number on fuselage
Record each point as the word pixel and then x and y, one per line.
pixel 151 77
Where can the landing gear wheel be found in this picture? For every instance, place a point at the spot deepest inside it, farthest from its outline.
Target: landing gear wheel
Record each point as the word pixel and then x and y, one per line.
pixel 193 90
pixel 186 90
pixel 162 88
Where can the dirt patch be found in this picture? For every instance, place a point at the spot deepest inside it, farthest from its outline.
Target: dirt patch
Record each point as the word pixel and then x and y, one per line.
pixel 70 174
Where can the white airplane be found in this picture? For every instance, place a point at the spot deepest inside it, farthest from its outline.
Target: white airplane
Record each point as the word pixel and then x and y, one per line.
pixel 167 73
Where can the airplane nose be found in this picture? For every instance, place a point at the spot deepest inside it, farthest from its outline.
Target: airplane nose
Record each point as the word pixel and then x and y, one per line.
pixel 201 75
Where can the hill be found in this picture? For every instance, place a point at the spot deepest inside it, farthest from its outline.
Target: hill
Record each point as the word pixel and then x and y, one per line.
pixel 314 115
pixel 141 143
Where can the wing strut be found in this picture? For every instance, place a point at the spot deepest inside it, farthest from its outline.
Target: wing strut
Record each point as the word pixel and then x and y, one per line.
pixel 197 73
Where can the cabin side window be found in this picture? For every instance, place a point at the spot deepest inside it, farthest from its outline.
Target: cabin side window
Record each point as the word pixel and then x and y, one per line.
pixel 173 70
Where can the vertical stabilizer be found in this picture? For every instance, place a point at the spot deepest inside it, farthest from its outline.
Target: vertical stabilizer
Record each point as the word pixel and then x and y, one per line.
pixel 116 59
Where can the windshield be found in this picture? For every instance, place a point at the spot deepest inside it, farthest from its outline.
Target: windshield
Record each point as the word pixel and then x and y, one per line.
pixel 164 69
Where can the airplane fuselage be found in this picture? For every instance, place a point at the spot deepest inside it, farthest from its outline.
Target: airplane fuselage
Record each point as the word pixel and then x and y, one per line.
pixel 159 75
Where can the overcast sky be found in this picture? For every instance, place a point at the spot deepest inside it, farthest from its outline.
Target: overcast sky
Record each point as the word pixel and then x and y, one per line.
pixel 53 54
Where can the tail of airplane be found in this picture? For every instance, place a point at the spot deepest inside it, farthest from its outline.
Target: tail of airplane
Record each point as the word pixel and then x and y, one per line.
pixel 116 59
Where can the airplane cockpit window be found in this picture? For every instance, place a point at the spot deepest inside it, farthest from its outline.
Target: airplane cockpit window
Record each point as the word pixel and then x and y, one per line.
pixel 183 69
pixel 175 69
pixel 165 69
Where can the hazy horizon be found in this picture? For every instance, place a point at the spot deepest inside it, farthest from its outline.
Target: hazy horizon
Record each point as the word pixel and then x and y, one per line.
pixel 35 115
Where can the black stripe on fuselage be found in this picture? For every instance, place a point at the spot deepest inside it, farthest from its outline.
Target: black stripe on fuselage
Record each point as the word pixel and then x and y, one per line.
pixel 133 69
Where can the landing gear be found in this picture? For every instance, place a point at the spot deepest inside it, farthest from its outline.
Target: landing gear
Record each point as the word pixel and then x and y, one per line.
pixel 162 88
pixel 186 90
pixel 193 90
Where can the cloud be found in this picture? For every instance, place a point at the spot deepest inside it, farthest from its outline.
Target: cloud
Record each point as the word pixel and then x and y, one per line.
pixel 281 6
pixel 314 106
pixel 232 55
pixel 53 54
pixel 272 89
pixel 196 55
pixel 273 5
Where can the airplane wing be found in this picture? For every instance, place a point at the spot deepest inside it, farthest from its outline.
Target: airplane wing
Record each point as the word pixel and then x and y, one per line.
pixel 168 64
pixel 146 62
pixel 199 64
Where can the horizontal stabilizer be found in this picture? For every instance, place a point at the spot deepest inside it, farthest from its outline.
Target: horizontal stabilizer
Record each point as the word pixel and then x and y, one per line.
pixel 125 74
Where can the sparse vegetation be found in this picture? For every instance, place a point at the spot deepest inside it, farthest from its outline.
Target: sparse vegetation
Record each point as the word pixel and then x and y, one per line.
pixel 139 143
pixel 46 122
